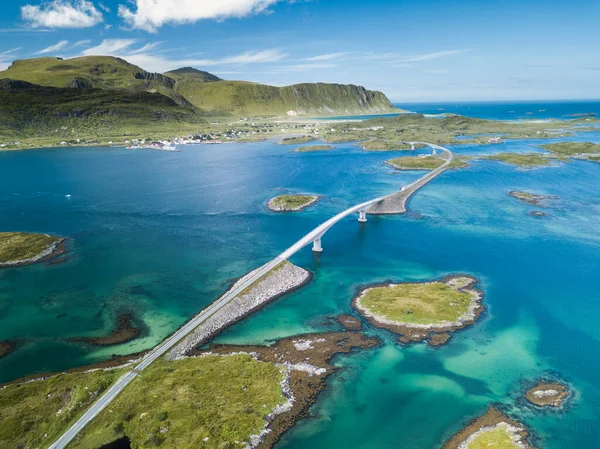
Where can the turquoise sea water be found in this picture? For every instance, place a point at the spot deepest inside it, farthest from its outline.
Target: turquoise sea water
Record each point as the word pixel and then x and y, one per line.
pixel 161 234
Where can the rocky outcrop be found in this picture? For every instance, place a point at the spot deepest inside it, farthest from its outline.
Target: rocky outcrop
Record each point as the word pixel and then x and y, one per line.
pixel 281 280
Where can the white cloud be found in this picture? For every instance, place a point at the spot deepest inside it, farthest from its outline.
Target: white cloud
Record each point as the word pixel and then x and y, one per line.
pixel 301 67
pixel 62 14
pixel 82 43
pixel 109 47
pixel 144 58
pixel 6 57
pixel 149 15
pixel 327 57
pixel 56 47
pixel 436 55
pixel 8 52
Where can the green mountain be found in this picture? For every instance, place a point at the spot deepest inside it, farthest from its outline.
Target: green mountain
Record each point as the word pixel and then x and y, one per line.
pixel 191 74
pixel 108 96
pixel 204 90
pixel 102 72
pixel 242 98
pixel 67 113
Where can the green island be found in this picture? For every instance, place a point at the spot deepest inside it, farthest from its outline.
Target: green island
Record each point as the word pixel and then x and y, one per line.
pixel 21 248
pixel 291 203
pixel 578 150
pixel 223 397
pixel 310 148
pixel 425 162
pixel 380 145
pixel 548 394
pixel 422 311
pixel 533 199
pixel 493 430
pixel 526 160
pixel 392 133
pixel 297 139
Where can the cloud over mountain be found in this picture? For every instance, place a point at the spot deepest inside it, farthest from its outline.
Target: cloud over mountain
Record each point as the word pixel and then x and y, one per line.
pixel 62 14
pixel 150 15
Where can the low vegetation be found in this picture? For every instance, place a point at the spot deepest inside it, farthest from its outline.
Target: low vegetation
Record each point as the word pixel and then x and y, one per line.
pixel 528 160
pixel 34 414
pixel 312 148
pixel 20 246
pixel 425 162
pixel 498 437
pixel 430 303
pixel 211 402
pixel 291 202
pixel 389 134
pixel 296 140
pixel 42 114
pixel 573 148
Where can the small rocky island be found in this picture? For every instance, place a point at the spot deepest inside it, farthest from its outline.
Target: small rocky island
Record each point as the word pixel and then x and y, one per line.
pixel 492 430
pixel 548 394
pixel 21 248
pixel 532 198
pixel 422 311
pixel 297 139
pixel 312 148
pixel 424 162
pixel 525 160
pixel 291 203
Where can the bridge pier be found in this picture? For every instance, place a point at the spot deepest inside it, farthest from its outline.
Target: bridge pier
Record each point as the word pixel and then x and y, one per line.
pixel 434 151
pixel 317 248
pixel 362 216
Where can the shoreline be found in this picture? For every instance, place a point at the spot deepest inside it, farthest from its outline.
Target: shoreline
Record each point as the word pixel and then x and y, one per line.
pixel 313 199
pixel 434 334
pixel 242 306
pixel 57 248
pixel 488 421
pixel 307 358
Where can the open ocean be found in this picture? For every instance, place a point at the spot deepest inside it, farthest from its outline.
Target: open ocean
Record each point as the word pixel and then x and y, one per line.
pixel 161 235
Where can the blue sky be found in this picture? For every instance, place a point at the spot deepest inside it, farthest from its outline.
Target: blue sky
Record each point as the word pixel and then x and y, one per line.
pixel 418 50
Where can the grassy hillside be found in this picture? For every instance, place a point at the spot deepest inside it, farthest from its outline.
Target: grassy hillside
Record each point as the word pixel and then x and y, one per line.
pixel 191 74
pixel 251 99
pixel 28 110
pixel 103 72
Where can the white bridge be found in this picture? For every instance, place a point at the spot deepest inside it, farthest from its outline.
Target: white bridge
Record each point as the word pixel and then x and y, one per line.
pixel 316 234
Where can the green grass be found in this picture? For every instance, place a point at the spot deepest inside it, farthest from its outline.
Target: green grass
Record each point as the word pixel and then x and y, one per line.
pixel 35 414
pixel 209 402
pixel 18 246
pixel 52 115
pixel 430 303
pixel 102 72
pixel 311 148
pixel 521 160
pixel 495 438
pixel 425 162
pixel 388 134
pixel 573 148
pixel 289 202
pixel 241 98
pixel 296 140
pixel 383 145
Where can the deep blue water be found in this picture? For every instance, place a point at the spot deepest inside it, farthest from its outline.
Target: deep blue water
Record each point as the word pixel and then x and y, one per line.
pixel 162 234
pixel 525 110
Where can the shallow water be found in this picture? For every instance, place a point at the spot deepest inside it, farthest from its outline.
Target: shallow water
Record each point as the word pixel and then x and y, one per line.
pixel 162 234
